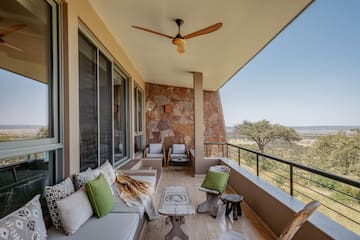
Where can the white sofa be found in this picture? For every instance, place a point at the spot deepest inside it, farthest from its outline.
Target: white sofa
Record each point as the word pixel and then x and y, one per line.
pixel 122 223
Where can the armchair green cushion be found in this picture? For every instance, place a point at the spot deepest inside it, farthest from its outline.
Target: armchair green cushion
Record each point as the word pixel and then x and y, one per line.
pixel 215 181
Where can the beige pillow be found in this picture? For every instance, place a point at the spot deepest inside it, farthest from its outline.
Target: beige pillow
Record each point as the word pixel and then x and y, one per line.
pixel 108 171
pixel 74 210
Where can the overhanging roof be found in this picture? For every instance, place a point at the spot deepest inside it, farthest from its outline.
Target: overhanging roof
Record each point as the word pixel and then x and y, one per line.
pixel 248 25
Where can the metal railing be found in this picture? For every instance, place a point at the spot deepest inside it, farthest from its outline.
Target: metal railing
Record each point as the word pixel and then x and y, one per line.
pixel 340 196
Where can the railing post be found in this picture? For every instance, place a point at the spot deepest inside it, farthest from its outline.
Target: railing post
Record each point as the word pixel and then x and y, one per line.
pixel 239 156
pixel 257 164
pixel 291 180
pixel 222 150
pixel 227 150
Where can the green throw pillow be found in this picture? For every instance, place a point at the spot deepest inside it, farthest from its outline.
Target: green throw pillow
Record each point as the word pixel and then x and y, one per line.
pixel 100 196
pixel 215 181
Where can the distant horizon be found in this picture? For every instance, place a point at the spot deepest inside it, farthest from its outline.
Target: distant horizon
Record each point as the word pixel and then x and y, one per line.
pixel 308 75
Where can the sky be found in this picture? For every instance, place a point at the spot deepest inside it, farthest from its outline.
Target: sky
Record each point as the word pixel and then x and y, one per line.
pixel 309 75
pixel 23 101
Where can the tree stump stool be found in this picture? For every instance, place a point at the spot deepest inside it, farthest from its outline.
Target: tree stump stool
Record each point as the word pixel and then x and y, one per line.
pixel 232 202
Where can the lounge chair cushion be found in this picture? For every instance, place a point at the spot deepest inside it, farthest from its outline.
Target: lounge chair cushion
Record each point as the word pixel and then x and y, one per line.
pixel 215 181
pixel 155 148
pixel 178 155
pixel 178 148
pixel 100 195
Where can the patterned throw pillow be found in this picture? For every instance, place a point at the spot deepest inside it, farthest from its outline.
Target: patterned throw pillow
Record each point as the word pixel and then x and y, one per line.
pixel 25 223
pixel 82 178
pixel 56 193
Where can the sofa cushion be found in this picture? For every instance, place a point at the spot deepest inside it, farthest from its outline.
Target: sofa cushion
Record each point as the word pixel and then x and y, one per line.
pixel 74 210
pixel 178 148
pixel 100 195
pixel 114 226
pixel 25 223
pixel 56 193
pixel 155 148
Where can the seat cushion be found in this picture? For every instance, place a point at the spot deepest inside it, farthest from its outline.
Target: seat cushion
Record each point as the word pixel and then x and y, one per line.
pixel 114 226
pixel 178 155
pixel 155 148
pixel 178 148
pixel 154 155
pixel 215 181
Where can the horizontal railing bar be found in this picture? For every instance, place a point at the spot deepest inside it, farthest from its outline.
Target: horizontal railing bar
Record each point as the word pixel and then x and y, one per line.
pixel 297 165
pixel 332 199
pixel 326 206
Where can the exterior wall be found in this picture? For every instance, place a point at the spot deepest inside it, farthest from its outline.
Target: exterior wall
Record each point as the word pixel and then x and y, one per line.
pixel 74 13
pixel 177 126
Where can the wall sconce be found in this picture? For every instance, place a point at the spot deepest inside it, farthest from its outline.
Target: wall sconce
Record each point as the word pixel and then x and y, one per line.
pixel 167 108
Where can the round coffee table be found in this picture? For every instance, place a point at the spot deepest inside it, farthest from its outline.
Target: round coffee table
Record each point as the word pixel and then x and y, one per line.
pixel 232 202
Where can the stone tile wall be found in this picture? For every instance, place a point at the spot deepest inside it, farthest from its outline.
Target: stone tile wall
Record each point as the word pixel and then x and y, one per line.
pixel 177 126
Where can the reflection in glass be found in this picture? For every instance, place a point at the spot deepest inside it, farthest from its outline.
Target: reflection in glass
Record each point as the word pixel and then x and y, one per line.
pixel 88 104
pixel 105 118
pixel 23 177
pixel 25 71
pixel 120 88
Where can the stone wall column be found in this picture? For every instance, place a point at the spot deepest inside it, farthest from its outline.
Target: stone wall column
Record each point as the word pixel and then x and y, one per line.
pixel 199 164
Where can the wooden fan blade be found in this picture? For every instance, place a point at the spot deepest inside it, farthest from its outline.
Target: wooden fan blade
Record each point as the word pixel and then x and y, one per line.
pixel 151 31
pixel 11 29
pixel 11 46
pixel 203 31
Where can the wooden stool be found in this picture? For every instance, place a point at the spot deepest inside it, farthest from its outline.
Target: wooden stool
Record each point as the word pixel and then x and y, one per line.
pixel 232 202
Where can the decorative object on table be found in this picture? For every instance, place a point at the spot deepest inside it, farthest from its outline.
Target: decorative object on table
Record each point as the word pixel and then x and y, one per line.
pixel 56 193
pixel 232 202
pixel 214 185
pixel 25 223
pixel 155 150
pixel 175 202
pixel 136 192
pixel 178 153
pixel 167 108
pixel 290 230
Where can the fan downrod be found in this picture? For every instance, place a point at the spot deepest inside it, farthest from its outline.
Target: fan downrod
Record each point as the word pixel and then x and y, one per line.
pixel 179 22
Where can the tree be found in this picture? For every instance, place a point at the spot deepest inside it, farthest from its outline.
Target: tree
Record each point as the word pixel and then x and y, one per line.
pixel 263 132
pixel 339 153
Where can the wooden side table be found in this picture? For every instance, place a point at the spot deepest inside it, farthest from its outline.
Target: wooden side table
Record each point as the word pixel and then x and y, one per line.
pixel 232 202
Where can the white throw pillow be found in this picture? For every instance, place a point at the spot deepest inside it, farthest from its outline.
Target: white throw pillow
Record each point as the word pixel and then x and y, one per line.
pixel 108 171
pixel 155 148
pixel 25 223
pixel 74 210
pixel 178 148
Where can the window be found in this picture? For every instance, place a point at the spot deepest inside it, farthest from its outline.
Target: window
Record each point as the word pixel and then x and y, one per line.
pixel 30 144
pixel 138 124
pixel 120 116
pixel 98 94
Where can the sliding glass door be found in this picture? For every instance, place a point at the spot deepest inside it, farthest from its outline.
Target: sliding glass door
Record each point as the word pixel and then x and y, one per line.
pixel 103 110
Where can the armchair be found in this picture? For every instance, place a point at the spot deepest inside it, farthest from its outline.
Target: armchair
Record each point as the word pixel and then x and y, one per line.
pixel 155 150
pixel 213 196
pixel 178 153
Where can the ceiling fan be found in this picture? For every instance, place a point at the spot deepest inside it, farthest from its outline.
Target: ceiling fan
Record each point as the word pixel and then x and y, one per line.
pixel 179 40
pixel 8 31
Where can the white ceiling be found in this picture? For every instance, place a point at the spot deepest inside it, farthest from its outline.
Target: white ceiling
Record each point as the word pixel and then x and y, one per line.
pixel 248 25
